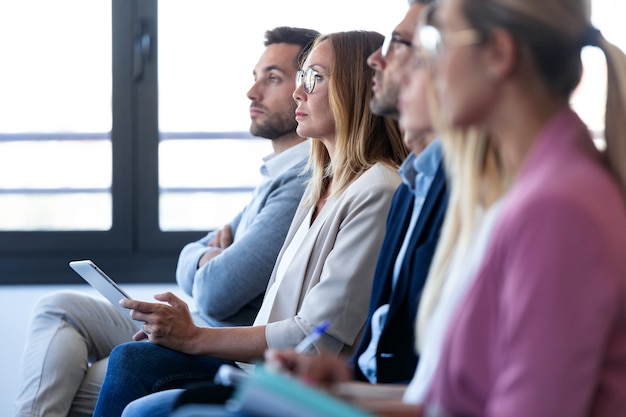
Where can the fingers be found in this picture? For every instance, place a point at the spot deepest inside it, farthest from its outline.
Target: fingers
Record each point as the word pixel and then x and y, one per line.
pixel 222 238
pixel 141 310
pixel 281 360
pixel 220 235
pixel 208 256
pixel 168 326
pixel 225 237
pixel 156 312
pixel 287 360
pixel 217 236
pixel 324 369
pixel 140 335
pixel 152 329
pixel 137 305
pixel 171 299
pixel 167 323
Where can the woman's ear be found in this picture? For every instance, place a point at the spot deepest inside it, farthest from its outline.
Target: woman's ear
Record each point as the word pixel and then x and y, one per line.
pixel 501 54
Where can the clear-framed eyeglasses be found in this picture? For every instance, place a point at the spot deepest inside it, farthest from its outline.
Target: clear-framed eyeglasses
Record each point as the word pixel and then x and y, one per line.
pixel 434 43
pixel 308 77
pixel 391 43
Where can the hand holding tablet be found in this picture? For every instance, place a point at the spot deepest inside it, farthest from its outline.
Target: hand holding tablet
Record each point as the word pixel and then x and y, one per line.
pixel 90 272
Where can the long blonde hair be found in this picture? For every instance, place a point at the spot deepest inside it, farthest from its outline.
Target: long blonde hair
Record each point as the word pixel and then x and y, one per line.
pixel 363 138
pixel 476 180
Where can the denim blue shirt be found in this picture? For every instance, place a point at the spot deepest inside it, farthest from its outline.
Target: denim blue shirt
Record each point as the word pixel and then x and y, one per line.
pixel 417 172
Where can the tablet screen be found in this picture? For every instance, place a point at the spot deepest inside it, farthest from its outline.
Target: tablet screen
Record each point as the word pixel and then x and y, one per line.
pixel 90 272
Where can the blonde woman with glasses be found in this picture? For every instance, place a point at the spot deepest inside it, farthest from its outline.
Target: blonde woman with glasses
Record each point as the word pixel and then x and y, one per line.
pixel 541 330
pixel 325 269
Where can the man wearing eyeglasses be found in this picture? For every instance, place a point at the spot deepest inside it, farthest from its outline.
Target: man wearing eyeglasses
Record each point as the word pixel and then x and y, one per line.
pixel 226 272
pixel 387 351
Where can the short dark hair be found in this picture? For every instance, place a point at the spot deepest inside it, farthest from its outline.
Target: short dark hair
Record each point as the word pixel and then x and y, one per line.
pixel 412 2
pixel 294 36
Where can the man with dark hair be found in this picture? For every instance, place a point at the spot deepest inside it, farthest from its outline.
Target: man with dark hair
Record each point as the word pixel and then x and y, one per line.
pixel 387 351
pixel 226 272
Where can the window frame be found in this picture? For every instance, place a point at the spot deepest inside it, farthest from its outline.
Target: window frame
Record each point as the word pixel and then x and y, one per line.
pixel 134 249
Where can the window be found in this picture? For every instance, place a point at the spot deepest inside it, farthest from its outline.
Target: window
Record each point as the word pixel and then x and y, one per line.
pixel 205 70
pixel 124 132
pixel 55 153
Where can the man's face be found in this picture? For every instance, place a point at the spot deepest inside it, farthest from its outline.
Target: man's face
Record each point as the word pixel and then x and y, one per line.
pixel 272 108
pixel 387 68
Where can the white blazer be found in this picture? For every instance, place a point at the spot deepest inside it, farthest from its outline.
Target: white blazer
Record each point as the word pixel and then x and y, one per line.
pixel 330 277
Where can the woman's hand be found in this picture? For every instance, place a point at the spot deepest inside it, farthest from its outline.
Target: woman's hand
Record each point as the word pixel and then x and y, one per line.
pixel 329 372
pixel 168 323
pixel 323 370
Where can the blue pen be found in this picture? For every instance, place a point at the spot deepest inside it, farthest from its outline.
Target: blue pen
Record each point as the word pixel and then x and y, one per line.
pixel 309 341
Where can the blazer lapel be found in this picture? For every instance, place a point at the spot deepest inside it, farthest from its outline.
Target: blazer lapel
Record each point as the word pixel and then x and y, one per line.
pixel 286 304
pixel 397 224
pixel 420 232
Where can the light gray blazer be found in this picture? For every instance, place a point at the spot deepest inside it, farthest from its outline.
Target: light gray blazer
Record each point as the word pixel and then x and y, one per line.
pixel 330 277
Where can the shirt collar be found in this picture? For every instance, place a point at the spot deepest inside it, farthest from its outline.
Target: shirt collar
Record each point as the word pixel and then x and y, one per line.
pixel 426 163
pixel 275 165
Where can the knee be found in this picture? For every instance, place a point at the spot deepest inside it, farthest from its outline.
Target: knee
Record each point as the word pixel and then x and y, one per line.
pixel 128 357
pixel 59 302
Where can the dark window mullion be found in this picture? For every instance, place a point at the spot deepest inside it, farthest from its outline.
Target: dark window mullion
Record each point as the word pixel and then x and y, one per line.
pixel 122 134
pixel 150 236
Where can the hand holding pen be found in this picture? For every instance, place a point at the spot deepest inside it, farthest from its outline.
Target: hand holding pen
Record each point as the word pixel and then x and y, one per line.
pixel 324 370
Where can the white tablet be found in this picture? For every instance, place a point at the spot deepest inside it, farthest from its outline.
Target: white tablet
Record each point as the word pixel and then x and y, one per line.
pixel 103 283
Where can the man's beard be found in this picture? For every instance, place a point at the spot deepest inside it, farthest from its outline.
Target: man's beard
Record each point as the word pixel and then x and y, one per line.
pixel 275 126
pixel 385 105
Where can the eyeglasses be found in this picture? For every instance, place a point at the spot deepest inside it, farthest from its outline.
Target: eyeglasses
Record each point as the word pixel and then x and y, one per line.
pixel 434 43
pixel 309 77
pixel 390 44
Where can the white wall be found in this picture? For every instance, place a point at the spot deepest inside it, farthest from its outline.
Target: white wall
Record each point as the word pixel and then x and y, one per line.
pixel 17 302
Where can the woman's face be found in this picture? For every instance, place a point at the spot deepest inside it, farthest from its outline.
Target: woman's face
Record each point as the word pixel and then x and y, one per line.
pixel 313 114
pixel 466 92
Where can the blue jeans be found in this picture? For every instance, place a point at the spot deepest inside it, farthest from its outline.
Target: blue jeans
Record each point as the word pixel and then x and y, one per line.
pixel 137 369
